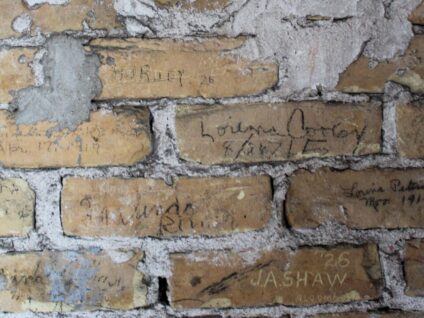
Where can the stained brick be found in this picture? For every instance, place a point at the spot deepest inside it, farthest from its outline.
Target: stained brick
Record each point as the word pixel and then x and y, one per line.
pixel 414 267
pixel 410 133
pixel 417 16
pixel 307 276
pixel 141 207
pixel 57 18
pixel 268 132
pixel 120 137
pixel 15 71
pixel 70 281
pixel 371 198
pixel 17 202
pixel 406 70
pixel 142 68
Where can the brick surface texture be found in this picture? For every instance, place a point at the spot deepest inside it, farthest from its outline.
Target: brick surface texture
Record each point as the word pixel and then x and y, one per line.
pixel 211 158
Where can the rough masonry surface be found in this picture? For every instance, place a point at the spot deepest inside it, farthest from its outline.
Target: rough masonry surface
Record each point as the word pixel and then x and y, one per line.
pixel 211 158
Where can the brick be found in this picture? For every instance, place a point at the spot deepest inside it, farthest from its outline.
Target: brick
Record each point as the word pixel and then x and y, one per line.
pixel 196 5
pixel 417 16
pixel 269 132
pixel 58 18
pixel 403 315
pixel 307 276
pixel 410 134
pixel 143 68
pixel 17 201
pixel 119 137
pixel 414 267
pixel 371 198
pixel 373 315
pixel 70 281
pixel 15 71
pixel 406 70
pixel 141 207
pixel 343 315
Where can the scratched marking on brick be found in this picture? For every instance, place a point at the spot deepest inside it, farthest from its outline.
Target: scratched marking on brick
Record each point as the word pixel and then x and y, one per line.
pixel 121 137
pixel 307 276
pixel 141 207
pixel 142 68
pixel 268 132
pixel 17 201
pixel 372 198
pixel 68 281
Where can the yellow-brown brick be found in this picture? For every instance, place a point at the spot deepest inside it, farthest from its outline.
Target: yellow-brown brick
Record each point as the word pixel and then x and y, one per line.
pixel 144 68
pixel 407 70
pixel 119 137
pixel 17 202
pixel 307 276
pixel 269 132
pixel 58 18
pixel 410 132
pixel 371 198
pixel 141 207
pixel 70 281
pixel 15 71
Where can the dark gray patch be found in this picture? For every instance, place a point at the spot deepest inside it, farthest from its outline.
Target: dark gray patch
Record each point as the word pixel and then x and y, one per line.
pixel 71 82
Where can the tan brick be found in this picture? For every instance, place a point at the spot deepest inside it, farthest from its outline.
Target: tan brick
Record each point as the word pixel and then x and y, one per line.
pixel 414 267
pixel 373 315
pixel 403 315
pixel 267 132
pixel 371 198
pixel 15 71
pixel 410 133
pixel 141 207
pixel 17 201
pixel 121 137
pixel 417 16
pixel 196 5
pixel 343 315
pixel 307 276
pixel 141 68
pixel 58 18
pixel 407 70
pixel 70 281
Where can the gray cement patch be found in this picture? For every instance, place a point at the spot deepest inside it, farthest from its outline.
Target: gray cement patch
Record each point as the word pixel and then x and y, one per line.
pixel 71 82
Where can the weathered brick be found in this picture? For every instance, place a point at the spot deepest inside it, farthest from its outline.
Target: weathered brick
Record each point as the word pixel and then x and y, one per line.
pixel 305 277
pixel 58 18
pixel 15 71
pixel 417 16
pixel 141 207
pixel 402 315
pixel 141 68
pixel 343 315
pixel 17 201
pixel 410 133
pixel 371 198
pixel 406 70
pixel 414 267
pixel 70 281
pixel 120 137
pixel 373 315
pixel 197 5
pixel 268 132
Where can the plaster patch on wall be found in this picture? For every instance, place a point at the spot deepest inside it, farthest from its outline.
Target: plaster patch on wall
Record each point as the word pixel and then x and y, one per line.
pixel 283 31
pixel 34 3
pixel 71 82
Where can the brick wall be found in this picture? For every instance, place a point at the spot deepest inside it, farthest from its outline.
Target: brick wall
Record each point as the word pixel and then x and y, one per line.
pixel 212 158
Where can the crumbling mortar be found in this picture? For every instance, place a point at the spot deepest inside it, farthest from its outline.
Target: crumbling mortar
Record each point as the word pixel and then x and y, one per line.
pixel 164 164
